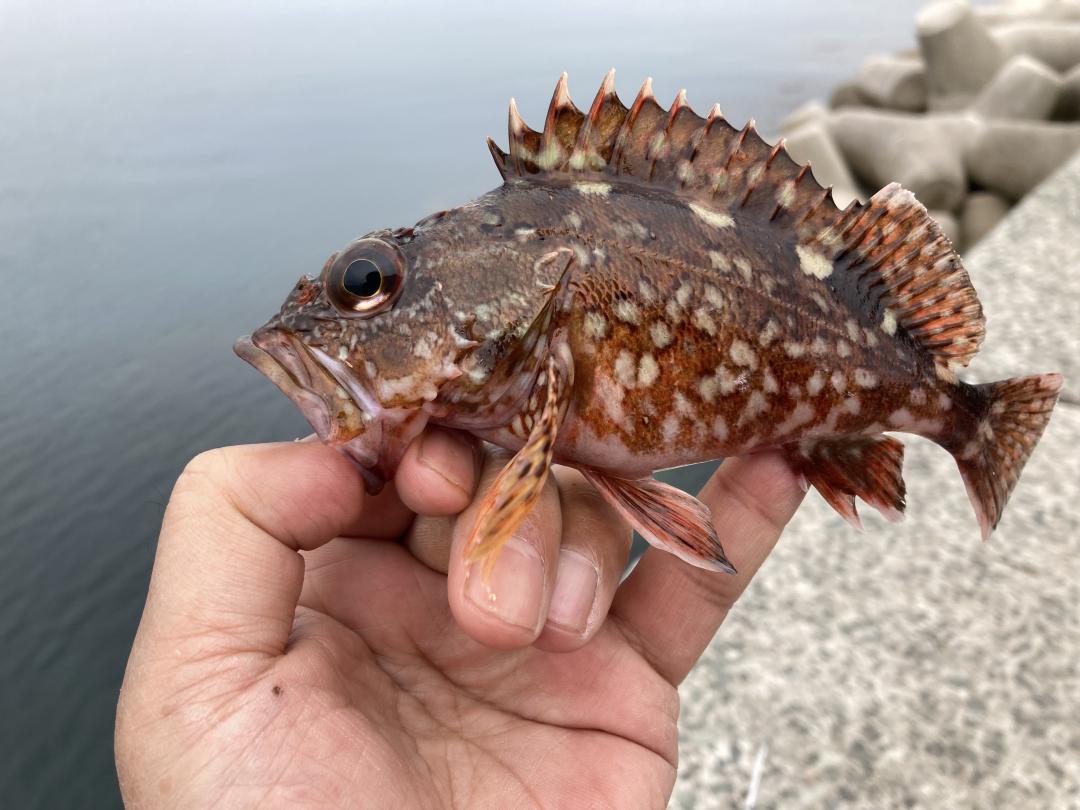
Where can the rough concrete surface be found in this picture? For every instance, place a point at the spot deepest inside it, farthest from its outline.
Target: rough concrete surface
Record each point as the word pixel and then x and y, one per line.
pixel 913 665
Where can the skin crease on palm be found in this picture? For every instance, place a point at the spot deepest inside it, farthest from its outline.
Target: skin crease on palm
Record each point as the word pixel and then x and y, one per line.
pixel 306 645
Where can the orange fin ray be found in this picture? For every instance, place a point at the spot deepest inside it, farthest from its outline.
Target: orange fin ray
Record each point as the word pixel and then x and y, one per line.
pixel 666 517
pixel 894 264
pixel 869 467
pixel 515 490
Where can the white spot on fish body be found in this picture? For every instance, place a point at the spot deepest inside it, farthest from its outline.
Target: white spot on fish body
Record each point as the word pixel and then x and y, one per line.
pixel 756 404
pixel 625 369
pixel 720 428
pixel 852 327
pixel 769 332
pixel 640 231
pixel 647 291
pixel 524 233
pixel 793 349
pixel 591 187
pixel 944 402
pixel 852 405
pixel 682 295
pixel 769 382
pixel 710 217
pixel 865 378
pixel 815 384
pixel 900 418
pixel 673 309
pixel 719 261
pixel 794 391
pixel 819 299
pixel 813 263
pixel 802 414
pixel 888 321
pixel 819 347
pixel 917 396
pixel 742 354
pixel 744 268
pixel 707 388
pixel 661 335
pixel 683 406
pixel 714 296
pixel 627 311
pixel 648 370
pixel 870 338
pixel 573 219
pixel 670 428
pixel 703 320
pixel 839 381
pixel 595 325
pixel 843 348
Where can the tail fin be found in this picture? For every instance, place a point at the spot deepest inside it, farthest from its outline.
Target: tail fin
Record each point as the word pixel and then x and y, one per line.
pixel 991 461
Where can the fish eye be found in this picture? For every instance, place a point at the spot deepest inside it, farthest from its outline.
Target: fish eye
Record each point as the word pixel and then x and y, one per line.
pixel 365 278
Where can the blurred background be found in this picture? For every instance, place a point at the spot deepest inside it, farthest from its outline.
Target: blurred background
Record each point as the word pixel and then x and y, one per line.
pixel 167 172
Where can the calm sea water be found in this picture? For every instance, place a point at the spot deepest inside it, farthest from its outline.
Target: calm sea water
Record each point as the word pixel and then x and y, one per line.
pixel 167 171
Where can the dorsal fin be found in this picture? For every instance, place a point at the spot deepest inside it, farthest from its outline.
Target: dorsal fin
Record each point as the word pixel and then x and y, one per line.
pixel 905 276
pixel 901 271
pixel 703 158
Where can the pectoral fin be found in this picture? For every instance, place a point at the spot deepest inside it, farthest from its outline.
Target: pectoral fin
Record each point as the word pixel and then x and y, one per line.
pixel 517 487
pixel 666 517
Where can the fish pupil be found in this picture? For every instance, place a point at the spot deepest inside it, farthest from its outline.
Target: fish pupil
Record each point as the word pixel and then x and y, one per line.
pixel 362 278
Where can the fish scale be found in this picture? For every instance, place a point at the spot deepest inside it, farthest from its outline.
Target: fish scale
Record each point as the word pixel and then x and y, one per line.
pixel 647 289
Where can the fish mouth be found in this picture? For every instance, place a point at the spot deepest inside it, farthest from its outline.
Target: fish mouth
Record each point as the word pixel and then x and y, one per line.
pixel 291 368
pixel 335 401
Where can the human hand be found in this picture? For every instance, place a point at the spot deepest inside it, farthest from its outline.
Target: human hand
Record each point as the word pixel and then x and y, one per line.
pixel 306 644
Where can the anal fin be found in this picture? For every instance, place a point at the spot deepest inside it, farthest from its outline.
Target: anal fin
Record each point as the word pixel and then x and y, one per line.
pixel 869 467
pixel 515 490
pixel 666 517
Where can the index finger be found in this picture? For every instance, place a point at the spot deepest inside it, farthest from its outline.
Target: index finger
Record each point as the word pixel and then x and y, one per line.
pixel 670 610
pixel 227 572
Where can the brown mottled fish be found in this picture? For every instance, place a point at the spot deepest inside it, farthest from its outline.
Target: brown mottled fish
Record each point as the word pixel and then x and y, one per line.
pixel 648 289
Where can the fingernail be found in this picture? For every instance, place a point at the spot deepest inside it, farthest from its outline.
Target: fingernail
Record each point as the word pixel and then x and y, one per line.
pixel 575 592
pixel 447 454
pixel 516 587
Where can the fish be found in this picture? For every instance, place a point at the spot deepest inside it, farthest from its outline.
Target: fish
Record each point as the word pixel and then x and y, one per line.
pixel 647 289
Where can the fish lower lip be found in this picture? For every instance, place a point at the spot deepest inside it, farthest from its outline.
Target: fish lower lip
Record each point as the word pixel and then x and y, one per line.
pixel 279 363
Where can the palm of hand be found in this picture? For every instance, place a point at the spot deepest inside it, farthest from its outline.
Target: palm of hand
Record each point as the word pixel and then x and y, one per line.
pixel 397 706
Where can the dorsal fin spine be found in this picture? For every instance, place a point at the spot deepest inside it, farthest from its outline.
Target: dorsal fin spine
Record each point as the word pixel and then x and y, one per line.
pixel 644 94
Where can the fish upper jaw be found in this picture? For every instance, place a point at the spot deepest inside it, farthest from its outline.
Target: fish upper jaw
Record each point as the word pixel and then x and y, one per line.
pixel 335 401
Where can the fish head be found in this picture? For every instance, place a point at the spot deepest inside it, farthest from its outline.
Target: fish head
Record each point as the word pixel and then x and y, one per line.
pixel 362 349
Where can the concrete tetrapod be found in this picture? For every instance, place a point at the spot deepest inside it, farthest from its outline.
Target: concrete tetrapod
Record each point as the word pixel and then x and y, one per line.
pixel 924 153
pixel 1012 157
pixel 1068 103
pixel 894 82
pixel 1023 88
pixel 1056 44
pixel 960 53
